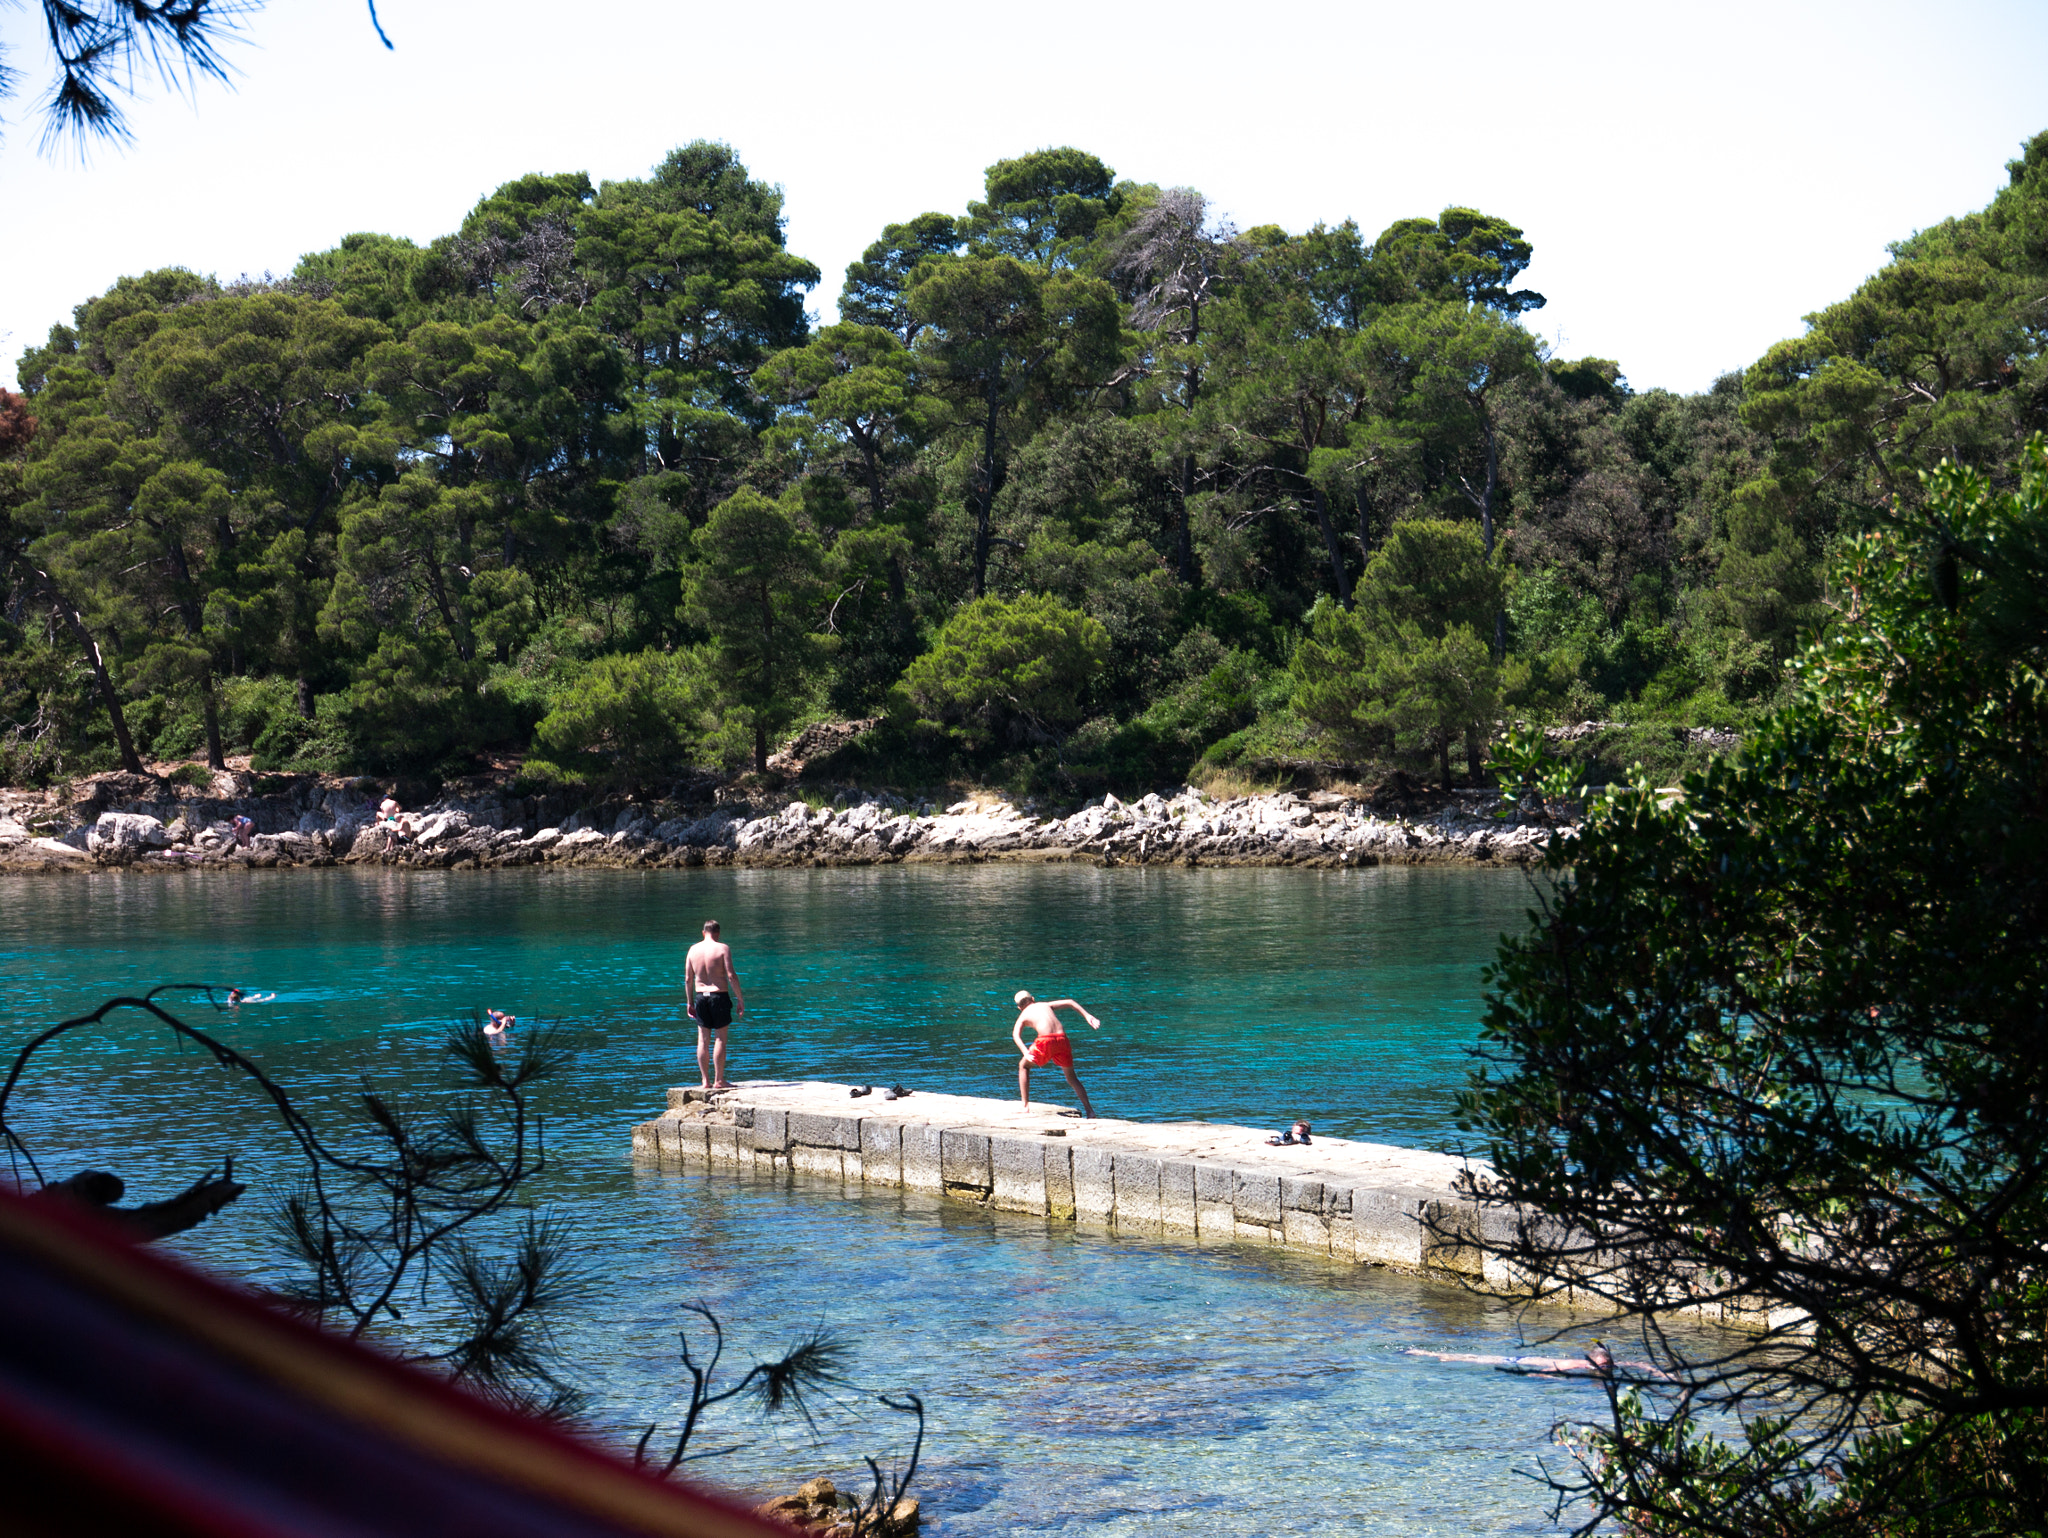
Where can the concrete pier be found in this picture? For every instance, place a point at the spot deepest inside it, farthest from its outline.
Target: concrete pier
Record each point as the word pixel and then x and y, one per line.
pixel 1363 1202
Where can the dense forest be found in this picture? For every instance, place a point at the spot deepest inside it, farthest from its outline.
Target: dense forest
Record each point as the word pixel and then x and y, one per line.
pixel 1083 488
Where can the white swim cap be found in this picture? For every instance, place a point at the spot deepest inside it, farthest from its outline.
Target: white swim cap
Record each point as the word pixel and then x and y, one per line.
pixel 1023 996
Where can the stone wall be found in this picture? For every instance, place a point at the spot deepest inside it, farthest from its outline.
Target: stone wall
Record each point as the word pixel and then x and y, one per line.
pixel 1351 1201
pixel 1365 1203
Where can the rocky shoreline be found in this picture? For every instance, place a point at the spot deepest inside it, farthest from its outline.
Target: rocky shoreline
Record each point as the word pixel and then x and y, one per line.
pixel 150 823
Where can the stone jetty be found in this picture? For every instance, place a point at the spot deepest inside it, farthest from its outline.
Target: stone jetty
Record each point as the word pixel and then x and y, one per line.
pixel 1360 1202
pixel 143 823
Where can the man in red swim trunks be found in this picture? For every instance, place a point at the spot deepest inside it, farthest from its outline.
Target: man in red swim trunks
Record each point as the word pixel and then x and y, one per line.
pixel 1051 1046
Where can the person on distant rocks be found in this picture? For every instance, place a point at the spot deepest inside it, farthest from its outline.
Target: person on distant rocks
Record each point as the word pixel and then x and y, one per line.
pixel 392 819
pixel 1051 1045
pixel 711 994
pixel 244 829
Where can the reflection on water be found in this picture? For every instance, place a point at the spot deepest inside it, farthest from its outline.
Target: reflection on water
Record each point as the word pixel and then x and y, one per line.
pixel 1074 1380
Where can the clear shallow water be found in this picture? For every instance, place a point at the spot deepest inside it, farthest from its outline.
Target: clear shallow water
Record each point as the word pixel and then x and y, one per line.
pixel 1074 1380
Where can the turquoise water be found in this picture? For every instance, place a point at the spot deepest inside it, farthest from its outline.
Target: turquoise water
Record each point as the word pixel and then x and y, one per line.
pixel 1075 1380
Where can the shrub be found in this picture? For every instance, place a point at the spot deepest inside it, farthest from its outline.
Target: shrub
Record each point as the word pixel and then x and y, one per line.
pixel 626 718
pixel 1008 667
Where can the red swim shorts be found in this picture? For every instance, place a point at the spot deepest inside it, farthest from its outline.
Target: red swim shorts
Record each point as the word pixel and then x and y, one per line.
pixel 1050 1049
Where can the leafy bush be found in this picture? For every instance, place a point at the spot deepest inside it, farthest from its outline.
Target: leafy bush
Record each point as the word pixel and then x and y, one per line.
pixel 626 718
pixel 1008 668
pixel 415 705
pixel 290 743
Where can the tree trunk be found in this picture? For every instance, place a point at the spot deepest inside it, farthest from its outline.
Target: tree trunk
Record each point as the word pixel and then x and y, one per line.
pixel 1184 536
pixel 1366 520
pixel 209 707
pixel 985 503
pixel 1475 765
pixel 766 598
pixel 871 472
pixel 1444 761
pixel 305 696
pixel 1322 504
pixel 458 632
pixel 195 630
pixel 75 623
pixel 1500 618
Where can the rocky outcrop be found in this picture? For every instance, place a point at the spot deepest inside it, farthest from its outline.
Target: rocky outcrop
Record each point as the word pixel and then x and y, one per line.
pixel 309 820
pixel 822 1508
pixel 22 849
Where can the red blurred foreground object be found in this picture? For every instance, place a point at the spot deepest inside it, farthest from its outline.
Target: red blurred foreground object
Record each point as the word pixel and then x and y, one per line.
pixel 137 1396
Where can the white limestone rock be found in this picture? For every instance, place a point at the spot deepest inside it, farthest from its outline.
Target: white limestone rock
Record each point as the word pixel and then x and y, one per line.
pixel 127 830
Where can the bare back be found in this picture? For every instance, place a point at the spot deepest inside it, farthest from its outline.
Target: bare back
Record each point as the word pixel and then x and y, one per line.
pixel 1040 1017
pixel 709 968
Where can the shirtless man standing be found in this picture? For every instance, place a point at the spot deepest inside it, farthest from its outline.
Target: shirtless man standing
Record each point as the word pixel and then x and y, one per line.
pixel 1051 1045
pixel 711 993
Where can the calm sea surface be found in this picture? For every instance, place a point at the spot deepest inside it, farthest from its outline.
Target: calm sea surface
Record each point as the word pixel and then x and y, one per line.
pixel 1075 1381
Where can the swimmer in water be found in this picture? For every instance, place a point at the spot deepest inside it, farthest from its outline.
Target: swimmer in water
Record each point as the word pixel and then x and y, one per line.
pixel 497 1029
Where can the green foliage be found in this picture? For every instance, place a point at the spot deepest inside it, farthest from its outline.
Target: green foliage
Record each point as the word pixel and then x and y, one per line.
pixel 1430 574
pixel 1043 207
pixel 757 581
pixel 1774 1043
pixel 1004 669
pixel 383 512
pixel 625 719
pixel 1405 665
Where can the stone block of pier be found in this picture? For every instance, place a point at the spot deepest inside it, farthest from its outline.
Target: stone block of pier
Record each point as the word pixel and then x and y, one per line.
pixel 1365 1203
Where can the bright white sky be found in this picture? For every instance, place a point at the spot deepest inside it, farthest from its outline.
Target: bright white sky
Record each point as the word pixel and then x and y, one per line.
pixel 1695 177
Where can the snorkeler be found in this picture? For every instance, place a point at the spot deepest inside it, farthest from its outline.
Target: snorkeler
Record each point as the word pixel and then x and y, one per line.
pixel 497 1028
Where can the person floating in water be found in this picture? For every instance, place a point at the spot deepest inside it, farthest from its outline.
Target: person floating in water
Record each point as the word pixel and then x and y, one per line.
pixel 498 1026
pixel 239 996
pixel 1051 1045
pixel 1598 1362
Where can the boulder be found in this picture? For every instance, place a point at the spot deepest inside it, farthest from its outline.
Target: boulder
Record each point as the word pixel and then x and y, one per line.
pixel 40 854
pixel 442 825
pixel 127 830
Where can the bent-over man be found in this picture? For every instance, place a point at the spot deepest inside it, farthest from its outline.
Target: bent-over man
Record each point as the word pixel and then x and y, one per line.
pixel 1051 1045
pixel 711 994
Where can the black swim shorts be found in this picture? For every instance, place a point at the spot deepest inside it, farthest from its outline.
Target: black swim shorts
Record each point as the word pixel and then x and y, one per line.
pixel 714 1010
